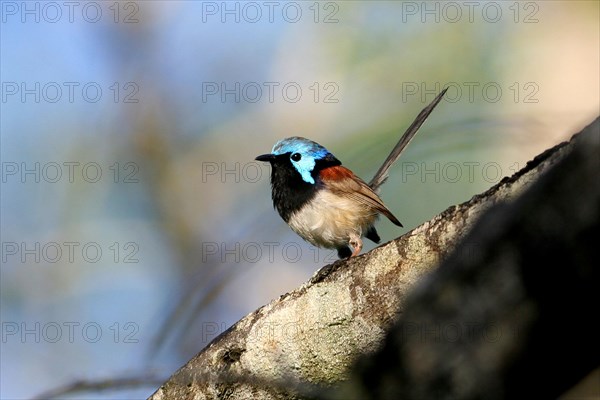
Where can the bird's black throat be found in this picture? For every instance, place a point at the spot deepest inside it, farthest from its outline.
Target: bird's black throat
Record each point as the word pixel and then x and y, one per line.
pixel 289 191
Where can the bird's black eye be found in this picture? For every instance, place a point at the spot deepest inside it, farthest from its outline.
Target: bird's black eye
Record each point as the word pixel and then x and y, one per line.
pixel 296 157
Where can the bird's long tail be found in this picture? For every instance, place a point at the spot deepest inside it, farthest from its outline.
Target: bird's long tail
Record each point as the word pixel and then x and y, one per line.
pixel 381 175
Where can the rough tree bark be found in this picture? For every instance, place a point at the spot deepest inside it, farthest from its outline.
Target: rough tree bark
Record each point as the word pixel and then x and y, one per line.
pixel 517 317
pixel 314 335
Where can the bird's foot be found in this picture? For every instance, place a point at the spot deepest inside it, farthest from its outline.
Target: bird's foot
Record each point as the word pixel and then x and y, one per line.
pixel 356 244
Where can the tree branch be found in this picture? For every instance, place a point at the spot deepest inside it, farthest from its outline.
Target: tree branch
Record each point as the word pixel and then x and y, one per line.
pixel 516 317
pixel 314 334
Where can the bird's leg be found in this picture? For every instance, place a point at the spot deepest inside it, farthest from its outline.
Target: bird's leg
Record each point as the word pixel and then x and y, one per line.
pixel 356 243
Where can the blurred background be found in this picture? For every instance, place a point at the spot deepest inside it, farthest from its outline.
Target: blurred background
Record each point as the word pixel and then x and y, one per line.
pixel 136 225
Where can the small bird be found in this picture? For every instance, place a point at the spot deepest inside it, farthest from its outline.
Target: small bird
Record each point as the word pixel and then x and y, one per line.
pixel 326 203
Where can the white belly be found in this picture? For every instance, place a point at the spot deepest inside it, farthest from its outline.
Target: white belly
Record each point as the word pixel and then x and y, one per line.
pixel 329 220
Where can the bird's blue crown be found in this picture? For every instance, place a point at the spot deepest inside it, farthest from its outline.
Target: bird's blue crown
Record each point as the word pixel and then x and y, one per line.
pixel 309 152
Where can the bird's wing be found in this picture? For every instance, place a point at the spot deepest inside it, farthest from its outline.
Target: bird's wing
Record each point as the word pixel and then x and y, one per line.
pixel 343 182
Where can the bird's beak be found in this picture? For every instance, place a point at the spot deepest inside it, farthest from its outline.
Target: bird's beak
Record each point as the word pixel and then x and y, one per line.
pixel 266 157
